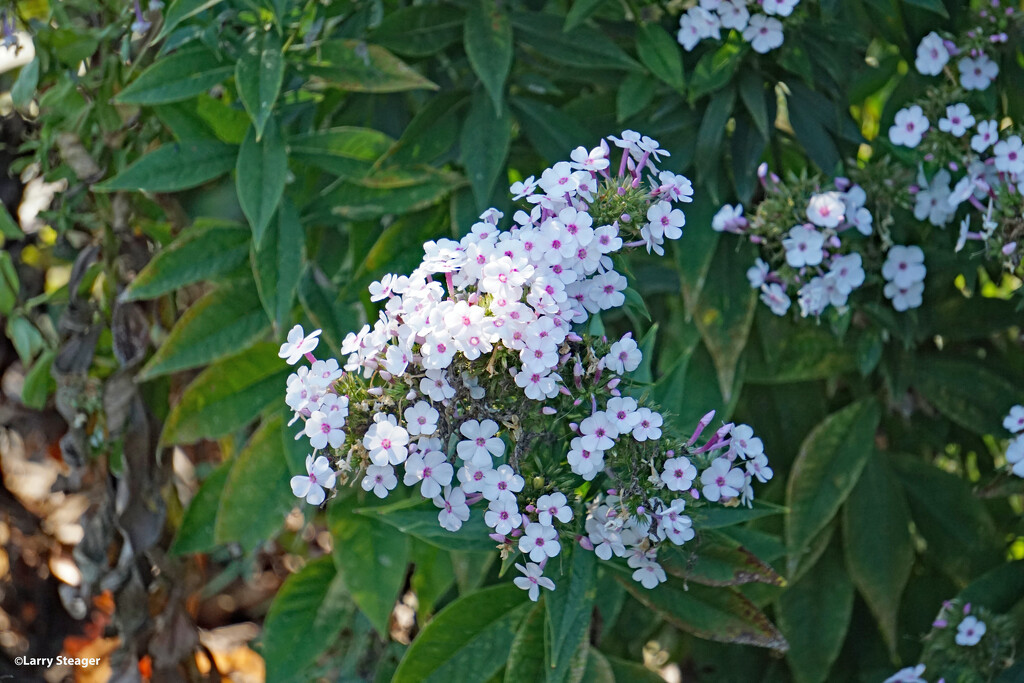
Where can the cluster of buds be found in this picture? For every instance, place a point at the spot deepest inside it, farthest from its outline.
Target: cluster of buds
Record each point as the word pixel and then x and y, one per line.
pixel 478 381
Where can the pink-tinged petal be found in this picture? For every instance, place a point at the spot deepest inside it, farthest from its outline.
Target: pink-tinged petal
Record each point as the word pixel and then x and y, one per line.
pixel 300 485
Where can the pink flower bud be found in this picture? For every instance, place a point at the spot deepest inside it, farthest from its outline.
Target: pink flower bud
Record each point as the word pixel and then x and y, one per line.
pixel 940 623
pixel 548 410
pixel 585 543
pixel 498 538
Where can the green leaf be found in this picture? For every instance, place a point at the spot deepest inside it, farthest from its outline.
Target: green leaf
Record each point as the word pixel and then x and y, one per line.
pixel 710 135
pixel 486 139
pixel 568 610
pixel 877 542
pixel 9 228
pixel 431 133
pixel 790 352
pixel 371 558
pixel 10 284
pixel 260 175
pixel 660 53
pixel 636 92
pixel 176 77
pixel 965 544
pixel 488 40
pixel 346 151
pixel 227 395
pixel 257 495
pixel 526 657
pixel 196 533
pixel 358 67
pixel 719 561
pixel 717 516
pixel 814 613
pixel 308 612
pixel 216 326
pixel 39 383
pixel 582 47
pixel 179 11
pixel 24 88
pixel 420 30
pixel 174 166
pixel 967 391
pixel 551 131
pixel 259 73
pixel 935 6
pixel 625 671
pixel 826 470
pixel 382 194
pixel 474 633
pixel 1000 590
pixel 580 11
pixel 810 131
pixel 721 614
pixel 690 389
pixel 277 265
pixel 419 518
pixel 714 70
pixel 204 251
pixel 754 96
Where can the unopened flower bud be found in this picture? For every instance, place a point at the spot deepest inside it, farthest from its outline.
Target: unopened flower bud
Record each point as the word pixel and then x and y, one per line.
pixel 548 410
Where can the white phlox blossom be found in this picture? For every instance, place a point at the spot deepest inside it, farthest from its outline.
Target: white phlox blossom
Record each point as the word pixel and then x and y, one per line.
pixel 710 18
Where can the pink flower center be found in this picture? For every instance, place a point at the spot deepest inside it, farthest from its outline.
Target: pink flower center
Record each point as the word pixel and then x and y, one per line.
pixel 385 444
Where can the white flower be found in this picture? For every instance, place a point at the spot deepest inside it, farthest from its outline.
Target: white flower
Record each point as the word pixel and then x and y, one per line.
pixel 904 265
pixel 1014 420
pixel 421 418
pixel 471 477
pixel 804 246
pixel 648 425
pixel 385 441
pixel 729 219
pixel 623 356
pixel 678 474
pixel 674 525
pixel 758 467
pixel 904 298
pixel 825 210
pixel 957 120
pixel 932 55
pixel 1010 155
pixel 501 483
pixel 1015 455
pixel 909 127
pixel 970 631
pixel 977 73
pixel 539 542
pixel 431 468
pixel 932 200
pixel 598 432
pixel 666 221
pixel 622 411
pixel 988 133
pixel 325 428
pixel 743 444
pixel 757 274
pixel 583 461
pixel 298 344
pixel 481 443
pixel 911 674
pixel 503 515
pixel 782 8
pixel 848 271
pixel 774 296
pixel 648 572
pixel 319 476
pixel 734 14
pixel 594 160
pixel 720 480
pixel 380 479
pixel 454 510
pixel 764 33
pixel 553 506
pixel 382 289
pixel 533 580
pixel 436 386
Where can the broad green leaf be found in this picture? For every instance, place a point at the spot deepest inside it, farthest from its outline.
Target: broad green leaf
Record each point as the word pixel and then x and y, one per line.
pixel 697 247
pixel 346 151
pixel 660 53
pixel 721 614
pixel 24 88
pixel 419 518
pixel 486 139
pixel 710 136
pixel 256 495
pixel 968 392
pixel 691 389
pixel 39 383
pixel 430 134
pixel 754 96
pixel 714 70
pixel 419 30
pixel 488 39
pixel 747 147
pixel 308 612
pixel 382 194
pixel 877 543
pixel 568 610
pixel 581 47
pixel 227 395
pixel 218 325
pixel 277 265
pixel 202 252
pixel 259 73
pixel 474 633
pixel 371 558
pixel 319 298
pixel 10 284
pixel 432 576
pixel 725 310
pixel 174 166
pixel 718 516
pixel 814 613
pixel 176 77
pixel 625 671
pixel 196 532
pixel 179 11
pixel 580 11
pixel 1000 589
pixel 359 67
pixel 964 544
pixel 719 560
pixel 810 131
pixel 599 669
pixel 789 352
pixel 826 470
pixel 260 176
pixel 9 228
pixel 551 131
pixel 935 6
pixel 636 92
pixel 526 657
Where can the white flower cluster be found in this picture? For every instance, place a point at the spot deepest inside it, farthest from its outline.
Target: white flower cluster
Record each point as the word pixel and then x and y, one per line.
pixel 707 20
pixel 976 69
pixel 904 272
pixel 815 265
pixel 1014 423
pixel 434 384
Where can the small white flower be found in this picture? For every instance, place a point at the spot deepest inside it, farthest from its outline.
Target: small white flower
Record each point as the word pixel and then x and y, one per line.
pixel 421 418
pixel 380 479
pixel 957 120
pixel 674 525
pixel 678 473
pixel 648 426
pixel 472 477
pixel 970 631
pixel 648 572
pixel 533 580
pixel 1014 420
pixel 431 468
pixel 385 441
pixel 904 298
pixel 826 210
pixel 743 444
pixel 503 515
pixel 551 507
pixel 757 274
pixel 977 73
pixel 298 344
pixel 932 55
pixel 623 356
pixel 319 476
pixel 904 265
pixel 782 8
pixel 729 219
pixel 325 428
pixel 848 271
pixel 909 127
pixel 1010 155
pixel 764 33
pixel 758 467
pixel 539 542
pixel 733 14
pixel 774 296
pixel 804 246
pixel 988 133
pixel 1015 455
pixel 721 480
pixel 502 482
pixel 454 510
pixel 910 674
pixel 480 444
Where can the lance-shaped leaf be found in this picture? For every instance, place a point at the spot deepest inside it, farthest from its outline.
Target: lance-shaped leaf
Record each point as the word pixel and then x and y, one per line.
pixel 719 561
pixel 277 264
pixel 359 67
pixel 967 391
pixel 488 39
pixel 176 77
pixel 260 176
pixel 485 143
pixel 419 518
pixel 174 166
pixel 568 611
pixel 259 73
pixel 345 151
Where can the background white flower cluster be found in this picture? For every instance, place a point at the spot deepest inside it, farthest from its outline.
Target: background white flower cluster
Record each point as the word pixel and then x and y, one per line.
pixel 757 22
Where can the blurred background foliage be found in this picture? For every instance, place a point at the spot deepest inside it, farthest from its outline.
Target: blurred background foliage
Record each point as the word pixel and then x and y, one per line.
pixel 185 183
